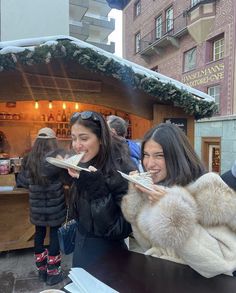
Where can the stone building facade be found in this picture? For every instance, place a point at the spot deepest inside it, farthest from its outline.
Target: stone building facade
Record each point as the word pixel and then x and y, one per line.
pixel 192 41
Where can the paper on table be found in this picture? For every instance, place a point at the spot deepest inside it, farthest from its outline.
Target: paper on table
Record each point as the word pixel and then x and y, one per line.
pixel 67 163
pixel 143 179
pixel 83 282
pixel 6 188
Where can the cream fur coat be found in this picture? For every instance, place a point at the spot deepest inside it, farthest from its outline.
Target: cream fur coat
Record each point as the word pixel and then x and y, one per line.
pixel 194 225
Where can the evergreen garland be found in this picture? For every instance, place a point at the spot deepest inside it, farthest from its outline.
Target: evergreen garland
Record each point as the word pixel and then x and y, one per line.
pixel 96 62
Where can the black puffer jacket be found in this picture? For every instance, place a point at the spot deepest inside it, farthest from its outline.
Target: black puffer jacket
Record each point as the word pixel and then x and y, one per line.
pixel 47 203
pixel 95 200
pixel 98 205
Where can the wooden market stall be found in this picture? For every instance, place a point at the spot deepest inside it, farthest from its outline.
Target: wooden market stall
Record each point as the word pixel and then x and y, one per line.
pixel 70 76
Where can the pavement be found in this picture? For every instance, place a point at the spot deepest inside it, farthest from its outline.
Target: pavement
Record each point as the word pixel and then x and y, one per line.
pixel 18 273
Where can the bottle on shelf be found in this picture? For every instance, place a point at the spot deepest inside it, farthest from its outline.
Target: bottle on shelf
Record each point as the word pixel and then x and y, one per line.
pixel 63 117
pixel 68 115
pixel 68 133
pixel 50 117
pixel 59 117
pixel 43 117
pixel 63 133
pixel 58 132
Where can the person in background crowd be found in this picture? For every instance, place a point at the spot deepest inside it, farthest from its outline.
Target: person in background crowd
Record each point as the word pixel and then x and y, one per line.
pixel 119 127
pixel 4 145
pixel 190 216
pixel 229 177
pixel 47 206
pixel 96 196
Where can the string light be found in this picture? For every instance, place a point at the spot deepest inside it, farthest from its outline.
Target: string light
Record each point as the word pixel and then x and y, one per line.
pixel 76 106
pixel 50 105
pixel 36 104
pixel 64 105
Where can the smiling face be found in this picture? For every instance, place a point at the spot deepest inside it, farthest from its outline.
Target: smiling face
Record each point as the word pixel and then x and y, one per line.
pixel 154 160
pixel 84 140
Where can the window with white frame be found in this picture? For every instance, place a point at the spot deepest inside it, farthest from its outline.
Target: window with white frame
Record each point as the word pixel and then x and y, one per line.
pixel 214 91
pixel 169 19
pixel 190 59
pixel 218 49
pixel 158 26
pixel 194 2
pixel 137 42
pixel 137 8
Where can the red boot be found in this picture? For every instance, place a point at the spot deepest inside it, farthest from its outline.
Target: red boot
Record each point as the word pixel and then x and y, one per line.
pixel 54 272
pixel 41 263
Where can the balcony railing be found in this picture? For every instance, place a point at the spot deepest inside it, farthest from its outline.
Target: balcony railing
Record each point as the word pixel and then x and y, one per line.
pixel 178 26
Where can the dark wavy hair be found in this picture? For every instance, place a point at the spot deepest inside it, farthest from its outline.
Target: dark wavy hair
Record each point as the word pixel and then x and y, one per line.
pixel 182 163
pixel 36 156
pixel 112 152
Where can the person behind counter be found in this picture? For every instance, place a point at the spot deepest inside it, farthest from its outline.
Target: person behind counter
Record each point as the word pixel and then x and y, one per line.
pixel 4 145
pixel 190 217
pixel 96 200
pixel 47 206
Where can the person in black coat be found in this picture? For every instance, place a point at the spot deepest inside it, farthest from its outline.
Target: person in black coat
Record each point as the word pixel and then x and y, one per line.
pixel 47 205
pixel 95 204
pixel 229 177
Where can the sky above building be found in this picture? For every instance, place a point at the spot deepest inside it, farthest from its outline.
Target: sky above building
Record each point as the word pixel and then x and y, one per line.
pixel 116 35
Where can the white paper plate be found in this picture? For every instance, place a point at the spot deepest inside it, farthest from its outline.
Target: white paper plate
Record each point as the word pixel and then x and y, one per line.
pixel 133 180
pixel 64 164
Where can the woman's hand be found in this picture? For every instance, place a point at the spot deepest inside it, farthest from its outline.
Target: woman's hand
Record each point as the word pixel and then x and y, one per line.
pixel 92 169
pixel 153 196
pixel 73 173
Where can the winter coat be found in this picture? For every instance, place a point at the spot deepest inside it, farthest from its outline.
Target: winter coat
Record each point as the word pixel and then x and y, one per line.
pixel 194 225
pixel 135 153
pixel 96 207
pixel 229 177
pixel 47 203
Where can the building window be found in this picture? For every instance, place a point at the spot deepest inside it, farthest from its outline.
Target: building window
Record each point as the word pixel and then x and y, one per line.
pixel 169 19
pixel 214 91
pixel 194 2
pixel 158 26
pixel 137 8
pixel 190 59
pixel 218 49
pixel 137 42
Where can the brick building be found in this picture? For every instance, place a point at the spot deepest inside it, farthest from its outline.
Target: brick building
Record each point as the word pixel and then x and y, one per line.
pixel 192 41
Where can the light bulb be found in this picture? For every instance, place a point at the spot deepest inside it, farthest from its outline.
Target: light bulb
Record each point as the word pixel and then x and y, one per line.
pixel 76 106
pixel 50 105
pixel 36 105
pixel 64 105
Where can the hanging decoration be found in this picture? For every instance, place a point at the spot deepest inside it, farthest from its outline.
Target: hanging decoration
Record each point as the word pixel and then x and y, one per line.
pixel 96 62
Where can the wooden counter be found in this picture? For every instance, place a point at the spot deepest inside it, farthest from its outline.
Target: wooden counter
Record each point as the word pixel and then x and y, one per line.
pixel 16 231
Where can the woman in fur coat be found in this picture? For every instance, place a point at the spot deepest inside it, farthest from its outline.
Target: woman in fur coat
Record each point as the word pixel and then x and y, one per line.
pixel 190 218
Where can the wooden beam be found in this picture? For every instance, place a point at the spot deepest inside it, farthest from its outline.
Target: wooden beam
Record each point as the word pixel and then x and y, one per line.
pixel 61 83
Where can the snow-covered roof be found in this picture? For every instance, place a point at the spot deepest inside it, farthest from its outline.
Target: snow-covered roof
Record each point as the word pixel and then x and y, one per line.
pixel 16 47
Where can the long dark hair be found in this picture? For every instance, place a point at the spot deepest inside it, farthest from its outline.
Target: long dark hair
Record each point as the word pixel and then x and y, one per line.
pixel 36 156
pixel 182 163
pixel 112 152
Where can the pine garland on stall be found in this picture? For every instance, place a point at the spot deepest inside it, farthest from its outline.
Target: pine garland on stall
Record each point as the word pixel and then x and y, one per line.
pixel 96 62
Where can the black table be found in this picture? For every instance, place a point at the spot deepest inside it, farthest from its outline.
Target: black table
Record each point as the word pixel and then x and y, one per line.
pixel 130 272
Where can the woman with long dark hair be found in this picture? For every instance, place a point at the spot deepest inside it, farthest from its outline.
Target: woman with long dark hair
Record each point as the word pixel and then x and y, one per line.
pixel 96 197
pixel 189 215
pixel 47 205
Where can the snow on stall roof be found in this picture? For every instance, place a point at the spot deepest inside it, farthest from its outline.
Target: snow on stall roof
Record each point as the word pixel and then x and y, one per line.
pixel 17 46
